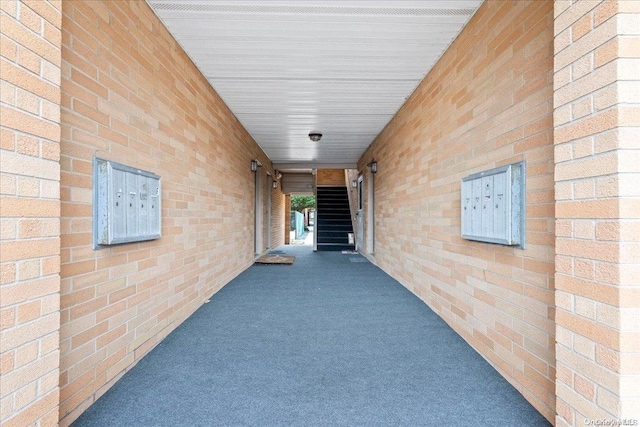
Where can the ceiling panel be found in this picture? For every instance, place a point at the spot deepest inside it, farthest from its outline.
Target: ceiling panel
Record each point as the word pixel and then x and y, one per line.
pixel 342 68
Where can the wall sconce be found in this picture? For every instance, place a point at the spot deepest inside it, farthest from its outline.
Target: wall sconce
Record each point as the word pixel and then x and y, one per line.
pixel 374 167
pixel 255 164
pixel 278 174
pixel 274 184
pixel 354 183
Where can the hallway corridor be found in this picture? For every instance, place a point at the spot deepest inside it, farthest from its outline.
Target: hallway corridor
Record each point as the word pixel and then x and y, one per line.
pixel 329 341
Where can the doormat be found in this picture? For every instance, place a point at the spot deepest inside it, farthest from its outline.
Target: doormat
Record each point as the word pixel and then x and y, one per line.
pixel 350 252
pixel 275 259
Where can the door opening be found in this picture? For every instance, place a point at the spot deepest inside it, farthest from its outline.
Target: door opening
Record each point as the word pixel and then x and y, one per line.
pixel 303 215
pixel 360 216
pixel 267 220
pixel 258 212
pixel 370 211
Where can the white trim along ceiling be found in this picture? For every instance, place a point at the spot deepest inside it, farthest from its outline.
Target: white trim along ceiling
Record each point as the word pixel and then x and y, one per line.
pixel 288 68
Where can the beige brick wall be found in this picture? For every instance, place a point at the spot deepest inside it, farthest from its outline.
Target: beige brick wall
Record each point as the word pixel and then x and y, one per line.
pixel 129 93
pixel 29 212
pixel 330 177
pixel 486 103
pixel 597 173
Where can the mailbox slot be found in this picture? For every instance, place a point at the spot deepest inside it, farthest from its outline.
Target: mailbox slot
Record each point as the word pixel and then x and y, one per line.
pixel 492 206
pixel 126 204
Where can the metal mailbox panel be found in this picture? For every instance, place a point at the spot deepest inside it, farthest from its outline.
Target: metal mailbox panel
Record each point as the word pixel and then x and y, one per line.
pixel 518 201
pixel 476 196
pixel 486 214
pixel 143 191
pixel 131 200
pixel 493 205
pixel 121 204
pixel 117 224
pixel 154 208
pixel 500 223
pixel 467 207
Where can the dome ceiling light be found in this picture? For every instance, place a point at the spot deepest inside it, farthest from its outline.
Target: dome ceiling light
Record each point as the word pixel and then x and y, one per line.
pixel 315 136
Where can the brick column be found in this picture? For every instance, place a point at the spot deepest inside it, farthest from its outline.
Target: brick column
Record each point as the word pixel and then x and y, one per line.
pixel 597 175
pixel 287 219
pixel 30 212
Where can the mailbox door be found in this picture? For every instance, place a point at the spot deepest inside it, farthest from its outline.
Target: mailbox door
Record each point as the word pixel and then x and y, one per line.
pixel 118 220
pixel 143 205
pixel 467 207
pixel 487 212
pixel 499 206
pixel 153 205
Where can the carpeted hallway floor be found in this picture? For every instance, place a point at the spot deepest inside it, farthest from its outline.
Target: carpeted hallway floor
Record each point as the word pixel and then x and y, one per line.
pixel 328 341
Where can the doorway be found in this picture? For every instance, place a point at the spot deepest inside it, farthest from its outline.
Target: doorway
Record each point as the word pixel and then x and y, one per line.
pixel 267 219
pixel 258 212
pixel 370 211
pixel 360 216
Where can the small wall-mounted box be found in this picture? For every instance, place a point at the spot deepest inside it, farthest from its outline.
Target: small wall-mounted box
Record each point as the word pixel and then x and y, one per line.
pixel 493 205
pixel 126 204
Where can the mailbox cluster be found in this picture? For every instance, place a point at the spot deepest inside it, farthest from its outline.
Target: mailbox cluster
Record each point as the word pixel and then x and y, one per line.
pixel 493 205
pixel 126 205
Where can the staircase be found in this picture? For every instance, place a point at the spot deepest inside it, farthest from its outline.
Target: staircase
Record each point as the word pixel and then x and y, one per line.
pixel 333 219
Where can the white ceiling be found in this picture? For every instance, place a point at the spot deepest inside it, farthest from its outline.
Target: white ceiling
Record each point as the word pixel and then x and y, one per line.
pixel 341 68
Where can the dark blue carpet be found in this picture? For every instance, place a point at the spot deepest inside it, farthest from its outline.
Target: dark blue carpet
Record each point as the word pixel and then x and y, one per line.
pixel 324 342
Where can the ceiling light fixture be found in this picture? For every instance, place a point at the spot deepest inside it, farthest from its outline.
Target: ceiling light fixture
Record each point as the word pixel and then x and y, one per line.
pixel 315 136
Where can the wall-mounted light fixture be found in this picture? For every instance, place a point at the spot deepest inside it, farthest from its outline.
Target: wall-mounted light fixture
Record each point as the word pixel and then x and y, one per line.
pixel 374 167
pixel 274 184
pixel 315 136
pixel 255 164
pixel 354 183
pixel 278 174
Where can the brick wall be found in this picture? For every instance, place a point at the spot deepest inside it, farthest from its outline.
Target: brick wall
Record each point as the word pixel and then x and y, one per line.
pixel 29 211
pixel 597 129
pixel 486 103
pixel 330 177
pixel 130 94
